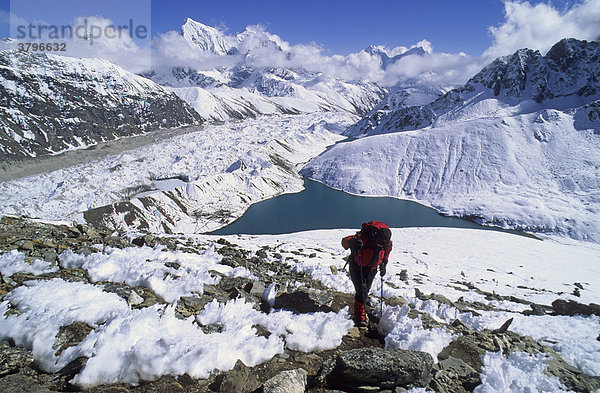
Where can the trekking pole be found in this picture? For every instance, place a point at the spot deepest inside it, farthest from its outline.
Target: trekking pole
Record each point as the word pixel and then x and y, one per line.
pixel 362 281
pixel 381 300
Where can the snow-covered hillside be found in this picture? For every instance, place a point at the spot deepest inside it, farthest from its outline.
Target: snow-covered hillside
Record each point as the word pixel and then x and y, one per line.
pixel 400 98
pixel 521 152
pixel 236 77
pixel 51 103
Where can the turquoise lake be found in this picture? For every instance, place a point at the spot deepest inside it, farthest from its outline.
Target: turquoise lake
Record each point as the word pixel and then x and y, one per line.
pixel 321 207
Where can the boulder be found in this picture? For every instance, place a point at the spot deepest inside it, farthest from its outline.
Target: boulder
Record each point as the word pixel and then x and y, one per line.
pixel 70 336
pixel 305 300
pixel 133 294
pixel 377 367
pixel 570 308
pixel 470 349
pixel 292 381
pixel 455 376
pixel 239 379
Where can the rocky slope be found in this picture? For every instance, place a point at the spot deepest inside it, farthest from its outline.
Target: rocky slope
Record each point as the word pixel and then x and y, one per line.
pixel 51 103
pixel 359 363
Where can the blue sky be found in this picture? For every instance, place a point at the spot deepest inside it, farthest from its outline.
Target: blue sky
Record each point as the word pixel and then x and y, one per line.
pixel 339 27
pixel 342 27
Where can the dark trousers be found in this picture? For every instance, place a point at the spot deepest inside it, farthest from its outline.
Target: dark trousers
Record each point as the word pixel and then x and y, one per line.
pixel 362 285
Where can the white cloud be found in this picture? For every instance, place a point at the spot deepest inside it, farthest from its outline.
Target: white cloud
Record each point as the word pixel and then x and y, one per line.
pixel 540 26
pixel 172 50
pixel 102 40
pixel 534 26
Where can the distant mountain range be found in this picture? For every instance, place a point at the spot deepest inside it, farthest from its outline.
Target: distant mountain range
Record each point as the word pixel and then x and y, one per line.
pixel 246 89
pixel 51 103
pixel 567 77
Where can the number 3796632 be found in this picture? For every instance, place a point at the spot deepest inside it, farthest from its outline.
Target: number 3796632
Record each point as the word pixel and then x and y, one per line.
pixel 43 46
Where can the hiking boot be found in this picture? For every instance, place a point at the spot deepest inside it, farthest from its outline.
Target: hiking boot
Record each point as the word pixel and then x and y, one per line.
pixel 360 323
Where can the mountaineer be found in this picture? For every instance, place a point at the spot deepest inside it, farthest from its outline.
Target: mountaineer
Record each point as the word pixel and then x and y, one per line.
pixel 370 248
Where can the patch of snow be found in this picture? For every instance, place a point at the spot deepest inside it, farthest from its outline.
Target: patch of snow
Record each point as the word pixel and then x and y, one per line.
pixel 517 373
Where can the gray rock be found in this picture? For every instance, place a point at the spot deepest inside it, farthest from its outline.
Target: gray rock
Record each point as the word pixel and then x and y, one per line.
pixel 26 245
pixel 292 381
pixel 190 305
pixel 134 299
pixel 383 368
pixel 536 309
pixel 239 379
pixel 305 300
pixel 70 335
pixel 455 376
pixel 13 358
pixel 570 307
pixel 469 349
pixel 125 291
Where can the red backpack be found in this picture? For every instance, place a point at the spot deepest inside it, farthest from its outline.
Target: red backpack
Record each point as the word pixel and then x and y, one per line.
pixel 372 226
pixel 376 229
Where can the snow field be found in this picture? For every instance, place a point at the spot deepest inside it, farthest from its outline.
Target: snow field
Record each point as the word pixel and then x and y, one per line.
pixel 517 373
pixel 532 171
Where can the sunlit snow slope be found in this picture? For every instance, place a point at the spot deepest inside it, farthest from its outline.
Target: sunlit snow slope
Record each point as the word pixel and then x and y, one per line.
pixel 517 146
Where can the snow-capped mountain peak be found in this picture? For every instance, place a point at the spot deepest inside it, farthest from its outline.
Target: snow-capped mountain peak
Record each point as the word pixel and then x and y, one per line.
pixel 251 81
pixel 389 57
pixel 207 38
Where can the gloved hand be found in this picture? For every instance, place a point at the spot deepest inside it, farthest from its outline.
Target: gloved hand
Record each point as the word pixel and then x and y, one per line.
pixel 356 243
pixel 382 269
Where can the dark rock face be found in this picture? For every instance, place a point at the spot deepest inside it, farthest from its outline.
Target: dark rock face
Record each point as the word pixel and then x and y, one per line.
pixel 49 103
pixel 384 368
pixel 570 68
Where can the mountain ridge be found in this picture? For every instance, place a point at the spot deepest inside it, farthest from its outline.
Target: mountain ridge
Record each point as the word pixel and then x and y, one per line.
pixel 566 77
pixel 51 103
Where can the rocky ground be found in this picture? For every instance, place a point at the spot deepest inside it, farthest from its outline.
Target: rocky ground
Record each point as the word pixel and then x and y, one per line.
pixel 359 364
